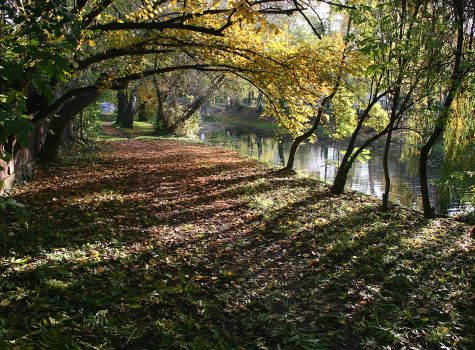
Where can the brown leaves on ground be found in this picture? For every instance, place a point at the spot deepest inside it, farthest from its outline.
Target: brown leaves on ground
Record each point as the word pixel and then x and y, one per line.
pixel 166 244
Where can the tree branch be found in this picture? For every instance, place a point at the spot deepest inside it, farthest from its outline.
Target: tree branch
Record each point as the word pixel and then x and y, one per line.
pixel 114 53
pixel 96 11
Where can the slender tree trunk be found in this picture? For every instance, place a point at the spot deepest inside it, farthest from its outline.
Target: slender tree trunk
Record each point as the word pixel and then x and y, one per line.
pixel 161 122
pixel 441 122
pixel 141 113
pixel 187 115
pixel 387 146
pixel 65 115
pixel 387 178
pixel 299 139
pixel 349 157
pixel 423 179
pixel 345 166
pixel 351 160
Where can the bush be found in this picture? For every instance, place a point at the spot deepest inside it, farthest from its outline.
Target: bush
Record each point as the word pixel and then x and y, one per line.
pixel 87 125
pixel 9 206
pixel 190 127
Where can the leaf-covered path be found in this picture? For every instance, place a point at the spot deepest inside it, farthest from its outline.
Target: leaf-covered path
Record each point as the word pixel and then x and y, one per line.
pixel 171 245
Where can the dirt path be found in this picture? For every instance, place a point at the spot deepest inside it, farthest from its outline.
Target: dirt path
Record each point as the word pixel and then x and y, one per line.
pixel 110 130
pixel 170 245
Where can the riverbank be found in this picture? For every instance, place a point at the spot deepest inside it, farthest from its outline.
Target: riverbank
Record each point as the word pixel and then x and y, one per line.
pixel 249 120
pixel 167 244
pixel 244 120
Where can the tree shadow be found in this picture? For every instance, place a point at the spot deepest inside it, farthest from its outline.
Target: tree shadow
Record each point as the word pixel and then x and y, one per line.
pixel 192 263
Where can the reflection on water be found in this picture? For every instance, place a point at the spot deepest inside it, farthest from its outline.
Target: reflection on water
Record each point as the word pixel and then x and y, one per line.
pixel 321 160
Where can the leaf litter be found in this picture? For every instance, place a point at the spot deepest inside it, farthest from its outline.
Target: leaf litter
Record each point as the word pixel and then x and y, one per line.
pixel 173 245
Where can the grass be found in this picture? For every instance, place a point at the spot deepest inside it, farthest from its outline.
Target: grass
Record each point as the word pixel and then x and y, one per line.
pixel 162 244
pixel 142 131
pixel 256 123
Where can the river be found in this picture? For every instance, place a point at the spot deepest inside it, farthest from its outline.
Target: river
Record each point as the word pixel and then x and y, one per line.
pixel 321 160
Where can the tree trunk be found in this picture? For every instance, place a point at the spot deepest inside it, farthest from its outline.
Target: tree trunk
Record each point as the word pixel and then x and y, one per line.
pixel 121 106
pixel 142 117
pixel 65 115
pixel 387 178
pixel 161 122
pixel 387 146
pixel 299 139
pixel 187 115
pixel 195 106
pixel 348 159
pixel 342 174
pixel 131 111
pixel 441 122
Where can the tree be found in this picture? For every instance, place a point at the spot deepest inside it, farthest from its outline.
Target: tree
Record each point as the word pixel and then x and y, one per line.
pixel 41 37
pixel 179 95
pixel 131 109
pixel 324 102
pixel 405 41
pixel 462 15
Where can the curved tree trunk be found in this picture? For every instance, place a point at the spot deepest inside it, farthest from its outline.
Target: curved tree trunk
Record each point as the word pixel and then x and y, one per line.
pixel 187 115
pixel 458 74
pixel 342 174
pixel 194 106
pixel 65 115
pixel 299 139
pixel 350 161
pixel 349 157
pixel 424 156
pixel 387 178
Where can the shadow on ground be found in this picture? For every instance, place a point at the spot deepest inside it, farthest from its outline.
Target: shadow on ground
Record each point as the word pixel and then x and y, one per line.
pixel 162 244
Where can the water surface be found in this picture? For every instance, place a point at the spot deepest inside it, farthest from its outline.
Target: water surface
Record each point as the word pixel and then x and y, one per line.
pixel 322 158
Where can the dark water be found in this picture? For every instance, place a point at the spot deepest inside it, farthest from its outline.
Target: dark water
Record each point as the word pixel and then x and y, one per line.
pixel 321 160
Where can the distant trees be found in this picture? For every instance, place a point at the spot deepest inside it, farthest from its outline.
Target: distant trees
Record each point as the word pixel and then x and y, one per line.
pixel 180 96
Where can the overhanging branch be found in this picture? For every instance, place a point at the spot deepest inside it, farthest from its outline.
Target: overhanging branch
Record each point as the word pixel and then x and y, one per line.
pixel 114 53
